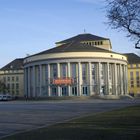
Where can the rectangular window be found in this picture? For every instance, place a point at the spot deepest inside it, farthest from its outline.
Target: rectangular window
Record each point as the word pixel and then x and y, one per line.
pixel 73 70
pixel 131 76
pixel 131 65
pixel 8 86
pixel 84 72
pixel 63 70
pixel 138 83
pixel 8 78
pixel 137 65
pixel 13 86
pixel 17 85
pixel 94 73
pixel 137 75
pixel 4 79
pixel 13 78
pixel 17 78
pixel 132 84
pixel 17 92
pixel 103 73
pixel 53 70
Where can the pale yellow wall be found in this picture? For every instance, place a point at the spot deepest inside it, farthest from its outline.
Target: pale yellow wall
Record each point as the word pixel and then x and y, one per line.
pixel 15 73
pixel 134 69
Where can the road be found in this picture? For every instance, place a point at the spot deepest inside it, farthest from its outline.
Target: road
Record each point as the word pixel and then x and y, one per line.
pixel 20 116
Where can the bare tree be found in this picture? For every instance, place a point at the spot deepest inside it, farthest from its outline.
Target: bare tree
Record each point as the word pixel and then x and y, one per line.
pixel 125 15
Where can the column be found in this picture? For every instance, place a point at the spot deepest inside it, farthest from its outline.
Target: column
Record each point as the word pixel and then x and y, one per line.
pixel 79 78
pixel 25 82
pixel 115 79
pixel 68 72
pixel 28 82
pixel 49 88
pixel 40 79
pixel 58 75
pixel 33 80
pixel 126 79
pixel 107 80
pixel 90 78
pixel 121 90
pixel 99 78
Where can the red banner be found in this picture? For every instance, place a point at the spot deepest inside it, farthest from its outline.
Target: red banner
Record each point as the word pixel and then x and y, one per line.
pixel 63 81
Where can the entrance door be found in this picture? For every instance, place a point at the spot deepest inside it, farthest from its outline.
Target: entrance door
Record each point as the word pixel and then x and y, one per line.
pixel 85 90
pixel 64 91
pixel 54 91
pixel 74 91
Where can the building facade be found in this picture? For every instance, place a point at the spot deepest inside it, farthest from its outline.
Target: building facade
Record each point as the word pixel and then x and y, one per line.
pixel 12 75
pixel 76 67
pixel 133 74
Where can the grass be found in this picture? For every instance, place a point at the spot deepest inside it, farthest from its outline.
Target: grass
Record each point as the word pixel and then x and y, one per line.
pixel 122 124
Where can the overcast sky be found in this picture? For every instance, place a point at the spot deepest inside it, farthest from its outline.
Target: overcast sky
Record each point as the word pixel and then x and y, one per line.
pixel 32 26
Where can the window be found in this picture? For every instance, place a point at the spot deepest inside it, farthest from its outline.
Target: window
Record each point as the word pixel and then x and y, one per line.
pixel 138 83
pixel 131 65
pixel 4 79
pixel 13 78
pixel 102 73
pixel 73 70
pixel 17 92
pixel 132 84
pixel 17 86
pixel 8 78
pixel 13 86
pixel 137 79
pixel 137 65
pixel 53 70
pixel 90 43
pixel 17 78
pixel 8 86
pixel 131 76
pixel 63 70
pixel 137 75
pixel 84 72
pixel 94 73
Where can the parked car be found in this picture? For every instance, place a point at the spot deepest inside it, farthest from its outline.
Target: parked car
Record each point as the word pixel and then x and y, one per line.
pixel 1 97
pixel 5 97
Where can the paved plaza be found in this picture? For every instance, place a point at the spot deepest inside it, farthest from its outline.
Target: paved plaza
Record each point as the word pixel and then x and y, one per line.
pixel 20 116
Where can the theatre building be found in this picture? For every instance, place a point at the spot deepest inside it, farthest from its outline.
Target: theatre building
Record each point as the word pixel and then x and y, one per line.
pixel 83 65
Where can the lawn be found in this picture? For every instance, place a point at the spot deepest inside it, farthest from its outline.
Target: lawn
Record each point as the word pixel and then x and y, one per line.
pixel 121 124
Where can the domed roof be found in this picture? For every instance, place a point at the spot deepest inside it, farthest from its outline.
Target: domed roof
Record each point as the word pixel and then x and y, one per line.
pixel 74 47
pixel 82 37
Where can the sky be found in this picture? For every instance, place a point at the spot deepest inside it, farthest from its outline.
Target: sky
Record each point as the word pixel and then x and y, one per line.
pixel 31 26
